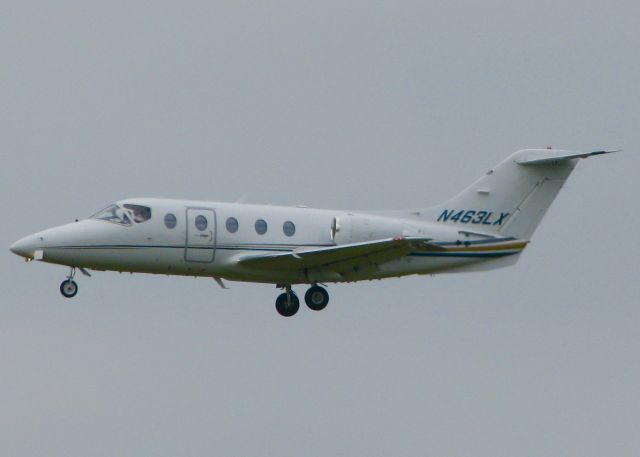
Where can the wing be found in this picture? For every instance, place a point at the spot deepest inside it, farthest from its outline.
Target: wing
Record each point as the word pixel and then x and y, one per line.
pixel 338 258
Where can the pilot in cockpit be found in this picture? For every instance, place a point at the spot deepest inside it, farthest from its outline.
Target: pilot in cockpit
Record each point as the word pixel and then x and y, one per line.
pixel 138 214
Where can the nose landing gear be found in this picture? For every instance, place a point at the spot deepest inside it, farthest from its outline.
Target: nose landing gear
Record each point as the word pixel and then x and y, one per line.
pixel 69 288
pixel 288 304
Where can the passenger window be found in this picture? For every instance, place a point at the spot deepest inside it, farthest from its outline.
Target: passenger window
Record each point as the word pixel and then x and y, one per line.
pixel 232 225
pixel 170 220
pixel 201 222
pixel 289 228
pixel 138 212
pixel 261 226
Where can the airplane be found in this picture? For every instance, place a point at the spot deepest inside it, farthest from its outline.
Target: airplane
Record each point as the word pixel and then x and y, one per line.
pixel 485 226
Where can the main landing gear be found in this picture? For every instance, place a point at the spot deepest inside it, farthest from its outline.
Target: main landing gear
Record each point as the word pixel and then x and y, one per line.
pixel 316 298
pixel 288 303
pixel 69 288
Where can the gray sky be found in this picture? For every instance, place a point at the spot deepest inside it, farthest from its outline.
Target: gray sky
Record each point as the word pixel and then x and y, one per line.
pixel 331 104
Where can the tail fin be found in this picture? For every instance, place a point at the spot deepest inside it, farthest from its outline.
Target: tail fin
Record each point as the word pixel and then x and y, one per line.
pixel 512 198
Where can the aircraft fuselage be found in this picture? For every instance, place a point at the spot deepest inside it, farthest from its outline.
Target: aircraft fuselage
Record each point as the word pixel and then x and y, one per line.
pixel 228 231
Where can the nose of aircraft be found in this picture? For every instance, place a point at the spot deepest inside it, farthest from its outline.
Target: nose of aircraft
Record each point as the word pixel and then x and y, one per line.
pixel 25 247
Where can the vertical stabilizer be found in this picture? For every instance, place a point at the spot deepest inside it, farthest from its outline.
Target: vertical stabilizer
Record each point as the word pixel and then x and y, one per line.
pixel 512 198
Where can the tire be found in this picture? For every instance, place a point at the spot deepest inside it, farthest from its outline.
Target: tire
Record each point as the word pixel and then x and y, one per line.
pixel 316 298
pixel 69 288
pixel 285 308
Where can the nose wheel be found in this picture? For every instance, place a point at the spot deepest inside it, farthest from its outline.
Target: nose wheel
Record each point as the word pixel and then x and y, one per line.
pixel 69 288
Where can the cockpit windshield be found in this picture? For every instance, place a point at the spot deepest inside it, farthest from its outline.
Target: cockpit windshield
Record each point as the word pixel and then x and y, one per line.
pixel 125 214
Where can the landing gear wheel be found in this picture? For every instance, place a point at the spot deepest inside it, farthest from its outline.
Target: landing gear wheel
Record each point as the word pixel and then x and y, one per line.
pixel 317 298
pixel 287 304
pixel 69 288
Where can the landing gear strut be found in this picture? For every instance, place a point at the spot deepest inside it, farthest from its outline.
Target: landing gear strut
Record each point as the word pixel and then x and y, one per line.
pixel 69 288
pixel 287 304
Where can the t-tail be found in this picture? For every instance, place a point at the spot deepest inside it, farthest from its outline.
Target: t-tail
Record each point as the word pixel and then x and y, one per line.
pixel 512 198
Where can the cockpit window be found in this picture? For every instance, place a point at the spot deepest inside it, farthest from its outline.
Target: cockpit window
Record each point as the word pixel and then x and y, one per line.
pixel 125 214
pixel 138 212
pixel 113 213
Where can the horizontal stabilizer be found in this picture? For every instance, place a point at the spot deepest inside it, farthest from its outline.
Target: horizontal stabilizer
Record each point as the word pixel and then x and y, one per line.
pixel 545 156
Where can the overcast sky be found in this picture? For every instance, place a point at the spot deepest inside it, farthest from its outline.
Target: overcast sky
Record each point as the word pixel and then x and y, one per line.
pixel 358 104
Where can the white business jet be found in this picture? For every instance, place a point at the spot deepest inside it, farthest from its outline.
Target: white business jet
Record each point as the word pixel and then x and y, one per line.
pixel 486 226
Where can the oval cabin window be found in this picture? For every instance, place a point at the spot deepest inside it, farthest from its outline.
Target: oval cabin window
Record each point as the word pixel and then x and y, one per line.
pixel 201 222
pixel 289 228
pixel 261 226
pixel 170 220
pixel 232 225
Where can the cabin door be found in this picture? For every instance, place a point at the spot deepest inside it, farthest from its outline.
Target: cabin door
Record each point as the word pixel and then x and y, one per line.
pixel 201 235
